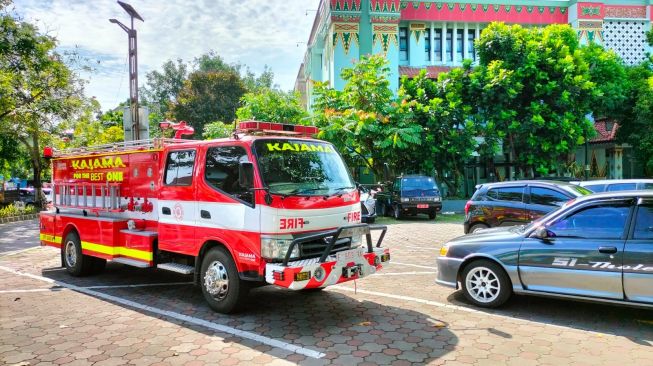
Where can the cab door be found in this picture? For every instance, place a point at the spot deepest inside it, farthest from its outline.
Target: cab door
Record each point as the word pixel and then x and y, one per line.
pixel 582 255
pixel 638 255
pixel 177 206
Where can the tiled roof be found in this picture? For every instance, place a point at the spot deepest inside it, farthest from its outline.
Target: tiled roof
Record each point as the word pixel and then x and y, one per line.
pixel 606 131
pixel 431 71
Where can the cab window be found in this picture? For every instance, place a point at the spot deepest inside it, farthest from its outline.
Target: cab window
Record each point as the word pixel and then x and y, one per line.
pixel 644 222
pixel 622 187
pixel 596 187
pixel 221 171
pixel 547 197
pixel 179 168
pixel 514 194
pixel 603 221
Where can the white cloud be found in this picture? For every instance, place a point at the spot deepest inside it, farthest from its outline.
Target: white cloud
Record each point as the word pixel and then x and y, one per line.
pixel 252 32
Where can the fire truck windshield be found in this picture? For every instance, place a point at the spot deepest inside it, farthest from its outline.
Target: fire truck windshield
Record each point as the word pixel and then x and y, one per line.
pixel 300 167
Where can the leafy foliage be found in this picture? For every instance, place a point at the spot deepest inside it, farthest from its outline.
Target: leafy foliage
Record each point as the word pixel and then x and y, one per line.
pixel 272 106
pixel 362 119
pixel 12 210
pixel 164 86
pixel 217 130
pixel 536 91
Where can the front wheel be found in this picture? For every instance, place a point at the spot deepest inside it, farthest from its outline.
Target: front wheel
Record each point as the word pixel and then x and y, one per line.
pixel 221 286
pixel 486 284
pixel 432 215
pixel 76 263
pixel 397 212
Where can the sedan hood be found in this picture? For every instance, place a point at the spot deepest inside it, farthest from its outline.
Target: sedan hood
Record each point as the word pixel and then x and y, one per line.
pixel 499 234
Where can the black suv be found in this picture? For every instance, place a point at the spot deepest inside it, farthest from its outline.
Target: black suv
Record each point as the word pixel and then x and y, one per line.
pixel 410 195
pixel 516 202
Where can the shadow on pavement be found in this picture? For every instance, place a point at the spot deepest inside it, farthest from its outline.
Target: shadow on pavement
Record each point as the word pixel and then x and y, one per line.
pixel 635 324
pixel 346 329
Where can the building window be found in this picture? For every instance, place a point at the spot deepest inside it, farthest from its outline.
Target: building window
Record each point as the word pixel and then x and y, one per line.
pixel 427 45
pixel 471 36
pixel 459 44
pixel 449 44
pixel 403 44
pixel 437 44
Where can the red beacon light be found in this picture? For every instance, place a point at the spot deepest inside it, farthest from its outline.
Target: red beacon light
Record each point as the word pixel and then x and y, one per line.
pixel 276 128
pixel 48 152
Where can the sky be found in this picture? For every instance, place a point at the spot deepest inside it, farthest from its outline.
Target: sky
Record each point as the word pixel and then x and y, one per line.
pixel 252 32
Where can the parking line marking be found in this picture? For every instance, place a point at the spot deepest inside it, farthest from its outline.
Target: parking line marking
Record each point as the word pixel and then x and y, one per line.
pixel 21 291
pixel 403 273
pixel 139 285
pixel 14 252
pixel 412 265
pixel 185 318
pixel 457 307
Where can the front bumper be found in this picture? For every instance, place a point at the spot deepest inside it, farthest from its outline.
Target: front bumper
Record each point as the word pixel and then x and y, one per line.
pixel 448 271
pixel 330 268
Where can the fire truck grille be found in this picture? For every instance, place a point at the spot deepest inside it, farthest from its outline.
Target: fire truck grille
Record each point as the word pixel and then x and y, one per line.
pixel 315 248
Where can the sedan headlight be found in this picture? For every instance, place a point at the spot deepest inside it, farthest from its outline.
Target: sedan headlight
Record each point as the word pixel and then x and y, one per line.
pixel 276 248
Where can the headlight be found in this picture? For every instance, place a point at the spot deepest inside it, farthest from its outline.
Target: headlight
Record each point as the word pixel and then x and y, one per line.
pixel 444 250
pixel 276 248
pixel 405 199
pixel 437 199
pixel 356 241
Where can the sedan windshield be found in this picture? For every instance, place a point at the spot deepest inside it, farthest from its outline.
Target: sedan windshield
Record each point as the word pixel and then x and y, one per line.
pixel 300 167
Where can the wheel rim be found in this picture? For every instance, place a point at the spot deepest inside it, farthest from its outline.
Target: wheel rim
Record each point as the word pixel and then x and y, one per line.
pixel 216 280
pixel 477 229
pixel 483 284
pixel 71 254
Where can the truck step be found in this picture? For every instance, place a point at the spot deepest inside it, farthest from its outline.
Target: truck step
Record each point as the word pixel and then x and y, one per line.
pixel 131 262
pixel 176 267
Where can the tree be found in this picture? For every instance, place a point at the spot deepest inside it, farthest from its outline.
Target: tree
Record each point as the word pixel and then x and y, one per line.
pixel 609 75
pixel 207 97
pixel 37 88
pixel 163 87
pixel 272 106
pixel 211 61
pixel 536 91
pixel 637 122
pixel 361 120
pixel 449 121
pixel 217 130
pixel 89 130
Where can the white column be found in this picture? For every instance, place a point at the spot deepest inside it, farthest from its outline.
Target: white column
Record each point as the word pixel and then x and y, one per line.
pixel 432 50
pixel 465 41
pixel 454 43
pixel 443 43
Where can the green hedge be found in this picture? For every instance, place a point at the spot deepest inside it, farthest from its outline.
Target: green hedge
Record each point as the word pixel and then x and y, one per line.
pixel 12 210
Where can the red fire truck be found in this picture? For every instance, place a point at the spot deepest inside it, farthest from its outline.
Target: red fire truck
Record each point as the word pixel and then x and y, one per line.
pixel 268 205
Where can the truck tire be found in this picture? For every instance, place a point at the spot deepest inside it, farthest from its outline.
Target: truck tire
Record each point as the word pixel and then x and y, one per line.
pixel 76 263
pixel 486 284
pixel 476 227
pixel 223 289
pixel 397 212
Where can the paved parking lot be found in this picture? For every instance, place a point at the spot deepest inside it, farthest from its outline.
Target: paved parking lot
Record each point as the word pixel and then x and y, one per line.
pixel 398 317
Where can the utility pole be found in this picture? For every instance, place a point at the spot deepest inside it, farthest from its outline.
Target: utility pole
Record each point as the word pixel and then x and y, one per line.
pixel 133 66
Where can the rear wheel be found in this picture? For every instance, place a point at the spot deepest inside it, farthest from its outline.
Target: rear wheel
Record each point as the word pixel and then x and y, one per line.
pixel 221 286
pixel 486 284
pixel 76 263
pixel 477 227
pixel 432 215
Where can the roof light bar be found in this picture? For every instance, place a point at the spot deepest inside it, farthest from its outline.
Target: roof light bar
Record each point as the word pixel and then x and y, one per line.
pixel 277 128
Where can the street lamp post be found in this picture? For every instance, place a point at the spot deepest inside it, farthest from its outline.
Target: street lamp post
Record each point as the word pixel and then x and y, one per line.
pixel 133 66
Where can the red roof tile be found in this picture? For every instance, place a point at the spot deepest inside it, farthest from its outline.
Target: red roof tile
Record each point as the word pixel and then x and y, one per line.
pixel 431 71
pixel 606 131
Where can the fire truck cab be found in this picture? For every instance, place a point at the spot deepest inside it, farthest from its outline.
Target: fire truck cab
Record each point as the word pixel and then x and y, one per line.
pixel 268 205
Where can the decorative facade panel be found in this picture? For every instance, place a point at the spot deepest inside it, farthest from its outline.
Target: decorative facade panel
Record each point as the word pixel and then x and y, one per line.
pixel 627 39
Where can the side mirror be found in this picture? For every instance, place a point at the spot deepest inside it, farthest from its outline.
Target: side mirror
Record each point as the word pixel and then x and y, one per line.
pixel 246 175
pixel 540 233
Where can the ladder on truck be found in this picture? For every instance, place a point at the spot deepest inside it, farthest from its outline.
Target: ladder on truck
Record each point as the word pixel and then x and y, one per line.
pixel 92 196
pixel 120 147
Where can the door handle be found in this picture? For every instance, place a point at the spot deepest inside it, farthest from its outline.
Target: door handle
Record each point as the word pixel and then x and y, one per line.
pixel 165 210
pixel 608 250
pixel 205 214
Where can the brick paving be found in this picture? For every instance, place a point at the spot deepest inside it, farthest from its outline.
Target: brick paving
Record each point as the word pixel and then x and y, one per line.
pixel 398 317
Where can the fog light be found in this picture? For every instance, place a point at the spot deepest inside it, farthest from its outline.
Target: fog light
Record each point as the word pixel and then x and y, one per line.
pixel 303 276
pixel 277 275
pixel 385 257
pixel 318 274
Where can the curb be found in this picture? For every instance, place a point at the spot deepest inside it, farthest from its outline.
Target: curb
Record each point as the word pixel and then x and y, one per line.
pixel 5 220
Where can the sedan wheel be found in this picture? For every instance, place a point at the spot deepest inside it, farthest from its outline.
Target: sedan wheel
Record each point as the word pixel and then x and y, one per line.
pixel 486 284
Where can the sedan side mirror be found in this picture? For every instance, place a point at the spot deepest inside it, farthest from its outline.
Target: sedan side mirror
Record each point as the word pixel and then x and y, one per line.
pixel 540 233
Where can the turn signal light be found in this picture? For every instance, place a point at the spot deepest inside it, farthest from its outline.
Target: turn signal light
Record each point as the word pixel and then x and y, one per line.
pixel 444 250
pixel 303 276
pixel 277 275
